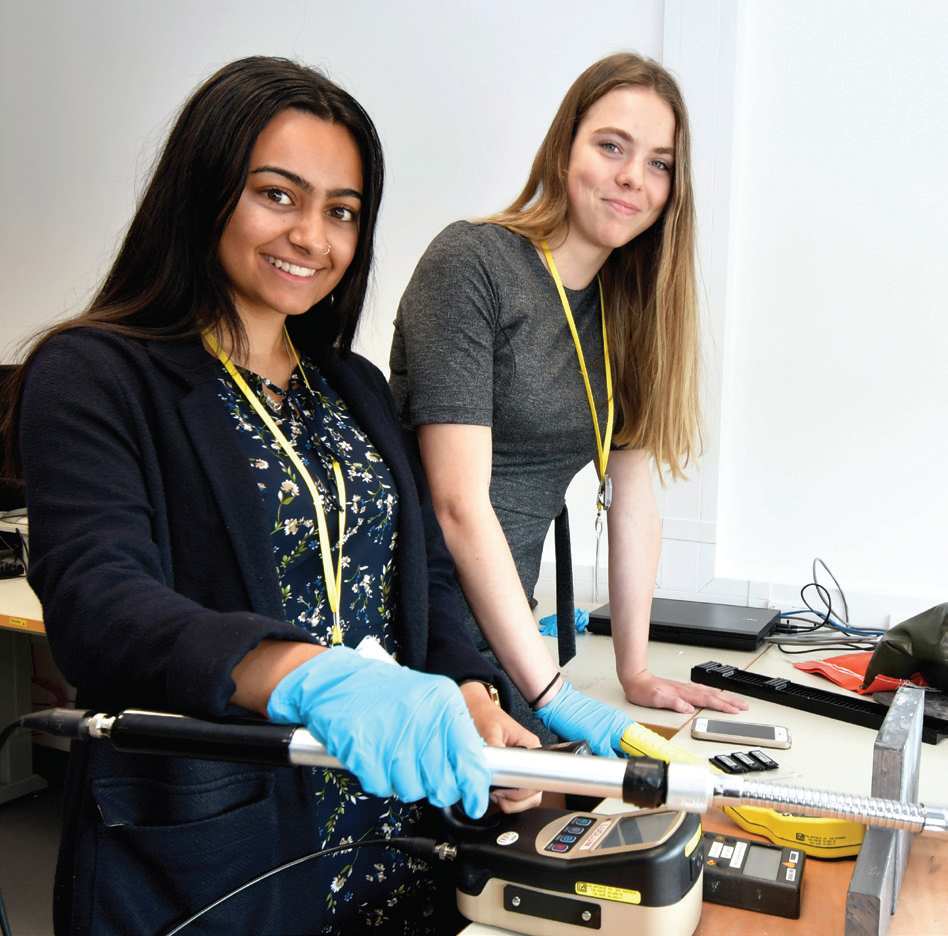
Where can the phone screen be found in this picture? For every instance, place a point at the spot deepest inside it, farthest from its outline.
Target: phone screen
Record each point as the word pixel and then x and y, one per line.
pixel 716 726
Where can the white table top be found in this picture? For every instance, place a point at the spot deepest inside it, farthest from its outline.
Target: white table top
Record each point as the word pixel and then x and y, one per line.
pixel 20 609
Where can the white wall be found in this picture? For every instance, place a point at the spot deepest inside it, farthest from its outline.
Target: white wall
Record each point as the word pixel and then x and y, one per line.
pixel 835 433
pixel 817 130
pixel 820 134
pixel 462 93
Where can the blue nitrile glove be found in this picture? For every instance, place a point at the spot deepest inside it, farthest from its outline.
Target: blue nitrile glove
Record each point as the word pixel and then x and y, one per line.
pixel 548 624
pixel 575 717
pixel 401 732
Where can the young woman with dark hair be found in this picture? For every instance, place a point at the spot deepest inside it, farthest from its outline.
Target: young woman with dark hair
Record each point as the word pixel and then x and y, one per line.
pixel 565 328
pixel 225 519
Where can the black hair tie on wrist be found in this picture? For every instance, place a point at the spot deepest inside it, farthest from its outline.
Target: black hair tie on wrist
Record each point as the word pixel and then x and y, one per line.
pixel 549 686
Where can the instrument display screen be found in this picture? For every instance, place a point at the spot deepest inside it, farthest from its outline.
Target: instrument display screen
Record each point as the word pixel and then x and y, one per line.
pixel 636 830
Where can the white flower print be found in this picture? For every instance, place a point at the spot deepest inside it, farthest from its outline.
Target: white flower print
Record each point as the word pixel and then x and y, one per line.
pixel 320 428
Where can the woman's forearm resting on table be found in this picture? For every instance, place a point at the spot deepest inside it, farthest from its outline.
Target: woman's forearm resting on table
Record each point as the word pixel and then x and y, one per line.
pixel 635 541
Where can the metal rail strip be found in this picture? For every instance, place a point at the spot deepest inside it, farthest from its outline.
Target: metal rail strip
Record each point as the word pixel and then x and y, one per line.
pixel 845 708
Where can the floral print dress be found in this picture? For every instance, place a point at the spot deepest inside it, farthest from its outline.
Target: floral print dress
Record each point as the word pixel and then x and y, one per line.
pixel 371 889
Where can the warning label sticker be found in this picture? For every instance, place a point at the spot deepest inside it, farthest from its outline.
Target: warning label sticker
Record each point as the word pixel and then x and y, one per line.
pixel 600 891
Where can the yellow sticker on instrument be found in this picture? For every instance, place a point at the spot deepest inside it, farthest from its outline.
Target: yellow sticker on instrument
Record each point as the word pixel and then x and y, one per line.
pixel 600 891
pixel 693 844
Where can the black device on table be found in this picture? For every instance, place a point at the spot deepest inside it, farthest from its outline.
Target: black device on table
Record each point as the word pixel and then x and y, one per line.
pixel 699 623
pixel 753 875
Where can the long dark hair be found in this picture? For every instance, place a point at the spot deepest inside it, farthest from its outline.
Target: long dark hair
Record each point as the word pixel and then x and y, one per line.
pixel 166 280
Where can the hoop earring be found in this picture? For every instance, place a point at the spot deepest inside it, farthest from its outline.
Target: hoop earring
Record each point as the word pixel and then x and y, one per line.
pixel 332 299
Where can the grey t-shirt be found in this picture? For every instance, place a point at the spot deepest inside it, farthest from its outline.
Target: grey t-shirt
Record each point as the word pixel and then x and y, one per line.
pixel 481 339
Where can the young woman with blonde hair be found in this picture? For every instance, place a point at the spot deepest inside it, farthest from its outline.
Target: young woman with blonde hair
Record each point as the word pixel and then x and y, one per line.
pixel 561 329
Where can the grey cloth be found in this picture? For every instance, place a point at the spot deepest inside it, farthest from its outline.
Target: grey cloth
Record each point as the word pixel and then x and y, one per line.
pixel 481 339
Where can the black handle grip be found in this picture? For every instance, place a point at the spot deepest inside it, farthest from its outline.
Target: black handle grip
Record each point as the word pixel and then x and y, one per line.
pixel 247 742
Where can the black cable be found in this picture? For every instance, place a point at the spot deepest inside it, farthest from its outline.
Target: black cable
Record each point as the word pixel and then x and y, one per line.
pixel 8 731
pixel 827 616
pixel 419 847
pixel 809 648
pixel 21 551
pixel 793 618
pixel 823 592
pixel 861 639
pixel 844 617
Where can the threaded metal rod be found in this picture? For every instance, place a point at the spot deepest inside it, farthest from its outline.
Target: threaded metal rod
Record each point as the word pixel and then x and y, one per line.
pixel 887 814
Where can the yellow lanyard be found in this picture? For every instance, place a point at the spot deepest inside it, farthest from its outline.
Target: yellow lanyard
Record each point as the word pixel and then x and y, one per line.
pixel 605 486
pixel 604 498
pixel 333 582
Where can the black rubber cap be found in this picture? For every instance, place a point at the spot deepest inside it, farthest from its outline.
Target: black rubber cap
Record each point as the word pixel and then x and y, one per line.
pixel 645 783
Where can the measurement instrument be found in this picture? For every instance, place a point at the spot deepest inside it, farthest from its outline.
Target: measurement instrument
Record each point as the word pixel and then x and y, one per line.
pixel 636 872
pixel 751 876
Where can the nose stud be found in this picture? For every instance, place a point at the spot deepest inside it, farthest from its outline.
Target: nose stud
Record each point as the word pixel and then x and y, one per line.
pixel 328 248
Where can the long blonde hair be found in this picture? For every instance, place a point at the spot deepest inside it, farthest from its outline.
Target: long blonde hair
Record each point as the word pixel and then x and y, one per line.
pixel 649 284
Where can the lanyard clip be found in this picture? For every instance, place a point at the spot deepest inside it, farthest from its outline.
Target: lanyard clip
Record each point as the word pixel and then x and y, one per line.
pixel 604 499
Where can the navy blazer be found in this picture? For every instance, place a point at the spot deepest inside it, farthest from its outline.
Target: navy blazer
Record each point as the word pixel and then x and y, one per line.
pixel 152 559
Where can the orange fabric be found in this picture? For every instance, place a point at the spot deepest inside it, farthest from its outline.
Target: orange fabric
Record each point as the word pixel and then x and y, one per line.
pixel 849 671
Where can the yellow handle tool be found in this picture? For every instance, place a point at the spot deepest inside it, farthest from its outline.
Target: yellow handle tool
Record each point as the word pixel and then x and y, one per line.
pixel 818 837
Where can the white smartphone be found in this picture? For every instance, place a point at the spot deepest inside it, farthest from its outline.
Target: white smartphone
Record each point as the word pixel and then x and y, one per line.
pixel 720 729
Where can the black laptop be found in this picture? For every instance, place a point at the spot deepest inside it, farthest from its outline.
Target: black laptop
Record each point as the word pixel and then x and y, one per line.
pixel 700 623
